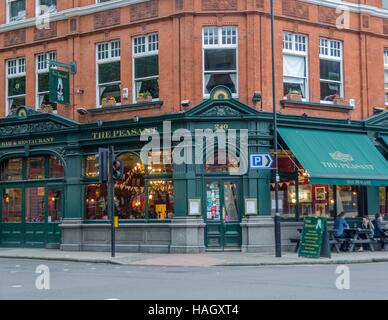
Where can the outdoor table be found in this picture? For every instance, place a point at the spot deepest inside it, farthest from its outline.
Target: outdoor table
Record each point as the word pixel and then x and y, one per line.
pixel 354 237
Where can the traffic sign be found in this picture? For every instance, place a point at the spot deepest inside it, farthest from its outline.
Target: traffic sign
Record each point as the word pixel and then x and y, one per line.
pixel 261 161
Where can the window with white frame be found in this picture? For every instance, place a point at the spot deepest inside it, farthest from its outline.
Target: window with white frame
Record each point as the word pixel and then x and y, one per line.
pixel 220 58
pixel 385 4
pixel 42 78
pixel 16 84
pixel 331 60
pixel 295 66
pixel 146 67
pixel 386 75
pixel 108 72
pixel 16 10
pixel 46 7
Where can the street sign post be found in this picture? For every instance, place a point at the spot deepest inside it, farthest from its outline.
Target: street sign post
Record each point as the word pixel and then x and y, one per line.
pixel 261 161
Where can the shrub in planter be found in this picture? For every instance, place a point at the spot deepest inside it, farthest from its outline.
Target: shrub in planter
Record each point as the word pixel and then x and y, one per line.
pixel 144 96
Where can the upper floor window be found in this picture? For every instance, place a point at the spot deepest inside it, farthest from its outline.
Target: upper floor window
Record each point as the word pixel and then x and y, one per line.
pixel 220 59
pixel 46 7
pixel 385 4
pixel 146 67
pixel 386 75
pixel 108 73
pixel 295 74
pixel 331 75
pixel 42 77
pixel 16 84
pixel 16 10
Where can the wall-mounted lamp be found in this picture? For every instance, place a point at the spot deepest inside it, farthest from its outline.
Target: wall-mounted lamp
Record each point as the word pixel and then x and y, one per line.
pixel 82 111
pixel 257 96
pixel 185 103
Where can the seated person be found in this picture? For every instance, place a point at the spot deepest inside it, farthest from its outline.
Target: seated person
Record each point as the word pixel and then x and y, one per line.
pixel 366 224
pixel 380 232
pixel 340 225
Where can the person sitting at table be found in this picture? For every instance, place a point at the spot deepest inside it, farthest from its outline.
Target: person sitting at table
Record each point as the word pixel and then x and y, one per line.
pixel 379 231
pixel 340 225
pixel 366 224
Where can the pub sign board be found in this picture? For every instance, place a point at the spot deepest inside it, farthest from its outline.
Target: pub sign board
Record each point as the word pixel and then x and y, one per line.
pixel 59 86
pixel 314 241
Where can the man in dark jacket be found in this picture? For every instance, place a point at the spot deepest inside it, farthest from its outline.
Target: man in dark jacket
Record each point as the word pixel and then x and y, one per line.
pixel 380 232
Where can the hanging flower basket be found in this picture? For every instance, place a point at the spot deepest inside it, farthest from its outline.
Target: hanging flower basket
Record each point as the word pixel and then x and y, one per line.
pixel 46 108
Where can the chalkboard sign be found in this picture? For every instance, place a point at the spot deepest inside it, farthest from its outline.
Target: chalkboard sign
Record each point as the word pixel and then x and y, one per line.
pixel 315 239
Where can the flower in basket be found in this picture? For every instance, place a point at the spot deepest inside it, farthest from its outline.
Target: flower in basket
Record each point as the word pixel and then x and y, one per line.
pixel 109 100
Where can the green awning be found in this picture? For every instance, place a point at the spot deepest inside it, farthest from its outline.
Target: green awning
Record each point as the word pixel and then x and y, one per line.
pixel 385 138
pixel 338 158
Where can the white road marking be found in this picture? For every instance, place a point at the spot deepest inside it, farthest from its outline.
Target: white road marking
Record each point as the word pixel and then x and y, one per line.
pixel 93 268
pixel 65 270
pixel 112 299
pixel 16 286
pixel 17 266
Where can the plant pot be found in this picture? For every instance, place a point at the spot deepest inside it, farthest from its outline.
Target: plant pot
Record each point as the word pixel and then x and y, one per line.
pixel 46 110
pixel 144 99
pixel 294 97
pixel 109 103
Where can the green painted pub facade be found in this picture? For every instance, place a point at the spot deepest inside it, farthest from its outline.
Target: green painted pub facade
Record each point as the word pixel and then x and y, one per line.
pixel 51 196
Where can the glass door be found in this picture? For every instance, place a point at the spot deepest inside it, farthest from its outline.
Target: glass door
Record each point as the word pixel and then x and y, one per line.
pixel 35 218
pixel 223 230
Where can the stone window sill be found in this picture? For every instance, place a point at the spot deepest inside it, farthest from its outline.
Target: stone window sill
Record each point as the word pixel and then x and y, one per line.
pixel 316 106
pixel 128 107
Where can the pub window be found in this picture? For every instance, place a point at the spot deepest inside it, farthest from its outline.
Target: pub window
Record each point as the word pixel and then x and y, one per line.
pixel 42 79
pixel 35 205
pixel 46 7
pixel 221 162
pixel 385 4
pixel 96 202
pixel 132 194
pixel 383 196
pixel 16 84
pixel 12 169
pixel 386 75
pixel 56 168
pixel 161 199
pixel 295 53
pixel 12 205
pixel 220 59
pixel 35 168
pixel 146 67
pixel 331 60
pixel 16 10
pixel 90 166
pixel 159 163
pixel 108 73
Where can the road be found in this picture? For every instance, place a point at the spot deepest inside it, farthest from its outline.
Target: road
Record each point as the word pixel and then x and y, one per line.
pixel 70 280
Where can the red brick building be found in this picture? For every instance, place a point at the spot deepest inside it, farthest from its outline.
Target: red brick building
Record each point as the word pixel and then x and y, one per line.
pixel 142 63
pixel 77 27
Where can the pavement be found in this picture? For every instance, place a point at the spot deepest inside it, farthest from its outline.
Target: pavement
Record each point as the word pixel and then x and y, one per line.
pixel 208 259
